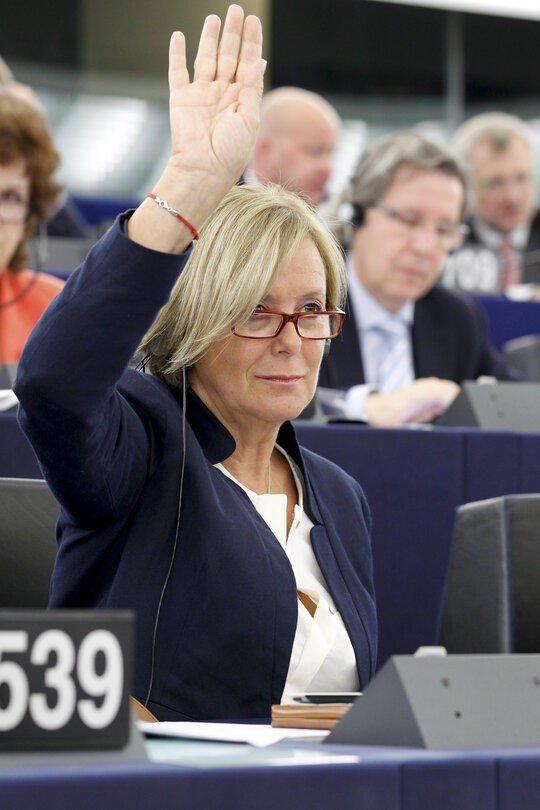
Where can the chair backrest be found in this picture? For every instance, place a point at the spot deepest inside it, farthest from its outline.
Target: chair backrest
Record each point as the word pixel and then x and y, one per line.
pixel 492 598
pixel 523 353
pixel 8 372
pixel 28 515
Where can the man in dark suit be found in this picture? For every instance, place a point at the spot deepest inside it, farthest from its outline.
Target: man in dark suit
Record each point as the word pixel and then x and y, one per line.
pixel 407 343
pixel 503 246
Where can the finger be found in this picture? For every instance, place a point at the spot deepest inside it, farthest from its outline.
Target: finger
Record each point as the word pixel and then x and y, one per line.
pixel 254 75
pixel 249 98
pixel 251 47
pixel 205 61
pixel 229 46
pixel 178 72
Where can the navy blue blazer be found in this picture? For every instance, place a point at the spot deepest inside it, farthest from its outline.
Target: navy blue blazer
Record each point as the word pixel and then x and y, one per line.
pixel 449 339
pixel 109 441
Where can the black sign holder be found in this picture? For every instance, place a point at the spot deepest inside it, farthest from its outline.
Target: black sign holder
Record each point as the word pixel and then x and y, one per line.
pixel 134 751
pixel 65 680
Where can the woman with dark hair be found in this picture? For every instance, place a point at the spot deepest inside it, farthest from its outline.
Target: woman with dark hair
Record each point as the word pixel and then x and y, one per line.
pixel 28 191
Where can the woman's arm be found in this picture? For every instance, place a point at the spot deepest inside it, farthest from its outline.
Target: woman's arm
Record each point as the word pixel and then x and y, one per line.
pixel 83 428
pixel 213 121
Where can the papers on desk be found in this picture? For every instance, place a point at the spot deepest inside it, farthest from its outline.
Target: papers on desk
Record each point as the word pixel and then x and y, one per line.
pixel 254 734
pixel 521 292
pixel 7 399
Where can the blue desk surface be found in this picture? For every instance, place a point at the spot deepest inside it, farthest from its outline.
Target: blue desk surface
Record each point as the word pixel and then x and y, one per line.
pixel 509 319
pixel 414 481
pixel 379 779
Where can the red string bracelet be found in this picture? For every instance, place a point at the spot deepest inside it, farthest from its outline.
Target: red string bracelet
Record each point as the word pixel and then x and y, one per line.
pixel 174 212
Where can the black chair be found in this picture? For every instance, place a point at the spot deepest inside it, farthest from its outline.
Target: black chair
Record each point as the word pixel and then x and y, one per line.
pixel 523 354
pixel 8 373
pixel 492 598
pixel 28 515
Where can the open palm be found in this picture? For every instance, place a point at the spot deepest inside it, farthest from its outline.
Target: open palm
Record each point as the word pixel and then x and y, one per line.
pixel 214 118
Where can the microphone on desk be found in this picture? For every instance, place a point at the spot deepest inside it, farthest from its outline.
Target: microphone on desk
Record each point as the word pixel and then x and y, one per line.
pixel 495 406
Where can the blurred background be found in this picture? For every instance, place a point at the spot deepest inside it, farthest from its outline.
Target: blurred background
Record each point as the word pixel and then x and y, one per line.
pixel 99 69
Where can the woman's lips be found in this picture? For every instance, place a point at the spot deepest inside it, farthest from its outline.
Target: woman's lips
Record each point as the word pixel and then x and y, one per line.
pixel 281 379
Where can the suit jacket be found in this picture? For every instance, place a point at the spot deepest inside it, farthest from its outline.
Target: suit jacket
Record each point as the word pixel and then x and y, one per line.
pixel 531 254
pixel 449 341
pixel 131 528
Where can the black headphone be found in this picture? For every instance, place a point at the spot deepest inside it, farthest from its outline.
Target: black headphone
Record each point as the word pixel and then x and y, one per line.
pixel 176 536
pixel 357 215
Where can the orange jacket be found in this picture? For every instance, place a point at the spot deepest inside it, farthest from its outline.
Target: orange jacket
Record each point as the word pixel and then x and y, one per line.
pixel 24 296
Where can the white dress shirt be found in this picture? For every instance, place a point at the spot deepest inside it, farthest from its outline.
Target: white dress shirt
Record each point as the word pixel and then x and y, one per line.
pixel 492 238
pixel 322 658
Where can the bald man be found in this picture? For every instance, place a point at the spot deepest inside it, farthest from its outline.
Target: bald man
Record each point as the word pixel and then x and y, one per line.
pixel 296 141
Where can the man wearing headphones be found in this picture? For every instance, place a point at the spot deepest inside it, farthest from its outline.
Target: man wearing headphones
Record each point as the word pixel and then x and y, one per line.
pixel 407 343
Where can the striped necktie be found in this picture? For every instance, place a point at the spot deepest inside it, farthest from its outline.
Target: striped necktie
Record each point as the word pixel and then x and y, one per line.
pixel 395 371
pixel 511 272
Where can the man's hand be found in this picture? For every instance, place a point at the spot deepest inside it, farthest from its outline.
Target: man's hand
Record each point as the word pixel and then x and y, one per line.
pixel 420 402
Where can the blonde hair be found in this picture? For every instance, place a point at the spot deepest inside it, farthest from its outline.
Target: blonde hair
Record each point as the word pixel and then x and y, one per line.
pixel 243 246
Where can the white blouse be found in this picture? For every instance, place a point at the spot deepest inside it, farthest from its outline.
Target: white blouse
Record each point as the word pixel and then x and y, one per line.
pixel 322 658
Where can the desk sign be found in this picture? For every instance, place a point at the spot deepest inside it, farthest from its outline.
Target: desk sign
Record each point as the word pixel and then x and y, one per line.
pixel 65 678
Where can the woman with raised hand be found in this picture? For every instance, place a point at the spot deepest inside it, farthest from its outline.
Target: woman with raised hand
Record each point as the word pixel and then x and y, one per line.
pixel 184 494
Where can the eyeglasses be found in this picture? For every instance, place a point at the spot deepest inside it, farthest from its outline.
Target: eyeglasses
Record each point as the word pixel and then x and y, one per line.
pixel 309 325
pixel 13 210
pixel 449 234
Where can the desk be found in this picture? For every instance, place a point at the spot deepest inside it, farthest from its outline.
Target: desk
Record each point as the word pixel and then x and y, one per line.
pixel 380 779
pixel 509 319
pixel 414 480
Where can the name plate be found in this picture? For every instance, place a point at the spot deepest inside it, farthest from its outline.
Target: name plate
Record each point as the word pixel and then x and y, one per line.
pixel 65 678
pixel 472 270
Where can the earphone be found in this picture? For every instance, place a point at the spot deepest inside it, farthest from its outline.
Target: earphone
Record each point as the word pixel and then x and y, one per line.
pixel 175 543
pixel 357 215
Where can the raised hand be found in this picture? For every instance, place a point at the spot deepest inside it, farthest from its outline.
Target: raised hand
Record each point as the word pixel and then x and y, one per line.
pixel 214 121
pixel 214 118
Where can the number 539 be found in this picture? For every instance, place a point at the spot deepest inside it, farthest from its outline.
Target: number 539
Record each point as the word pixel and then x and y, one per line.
pixel 97 666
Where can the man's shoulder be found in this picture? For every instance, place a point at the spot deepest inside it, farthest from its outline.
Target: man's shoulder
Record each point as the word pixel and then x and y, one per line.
pixel 443 299
pixel 452 313
pixel 535 222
